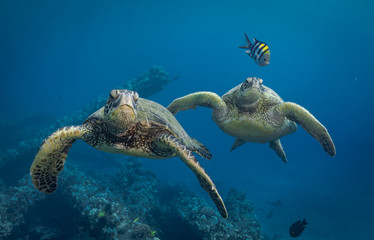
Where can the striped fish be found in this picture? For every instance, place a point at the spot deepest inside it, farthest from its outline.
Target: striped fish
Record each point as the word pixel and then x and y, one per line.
pixel 259 51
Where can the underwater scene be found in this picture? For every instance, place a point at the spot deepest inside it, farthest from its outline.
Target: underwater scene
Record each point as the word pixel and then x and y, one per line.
pixel 196 120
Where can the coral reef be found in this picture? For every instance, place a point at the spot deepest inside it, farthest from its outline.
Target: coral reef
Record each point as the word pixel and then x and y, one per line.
pixel 242 213
pixel 14 204
pixel 138 187
pixel 111 203
pixel 150 82
pixel 141 231
pixel 104 212
pixel 206 223
pixel 131 204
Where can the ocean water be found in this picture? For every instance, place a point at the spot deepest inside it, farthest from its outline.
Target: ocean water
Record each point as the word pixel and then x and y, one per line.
pixel 56 57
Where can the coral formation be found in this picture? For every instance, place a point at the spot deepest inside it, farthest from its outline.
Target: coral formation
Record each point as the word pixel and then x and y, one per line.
pixel 128 193
pixel 141 231
pixel 130 204
pixel 206 223
pixel 138 187
pixel 14 204
pixel 242 213
pixel 92 198
pixel 150 82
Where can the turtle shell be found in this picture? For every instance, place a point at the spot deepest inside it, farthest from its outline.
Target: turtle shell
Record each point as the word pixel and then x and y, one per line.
pixel 150 111
pixel 256 122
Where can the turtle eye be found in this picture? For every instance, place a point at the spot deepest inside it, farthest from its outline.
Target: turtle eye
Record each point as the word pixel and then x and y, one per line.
pixel 113 94
pixel 246 84
pixel 243 86
pixel 135 96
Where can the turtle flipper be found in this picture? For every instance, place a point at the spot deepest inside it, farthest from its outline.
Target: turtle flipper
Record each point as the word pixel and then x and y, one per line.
pixel 238 142
pixel 191 101
pixel 165 140
pixel 201 149
pixel 305 119
pixel 50 159
pixel 277 147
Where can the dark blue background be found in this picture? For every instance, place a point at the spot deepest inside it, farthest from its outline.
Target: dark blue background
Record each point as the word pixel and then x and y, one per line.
pixel 59 56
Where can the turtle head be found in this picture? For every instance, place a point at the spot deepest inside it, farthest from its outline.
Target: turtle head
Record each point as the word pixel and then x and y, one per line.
pixel 250 91
pixel 120 109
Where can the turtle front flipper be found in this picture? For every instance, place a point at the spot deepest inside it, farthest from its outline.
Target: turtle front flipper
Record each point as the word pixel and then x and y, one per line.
pixel 204 99
pixel 305 119
pixel 277 147
pixel 188 158
pixel 50 159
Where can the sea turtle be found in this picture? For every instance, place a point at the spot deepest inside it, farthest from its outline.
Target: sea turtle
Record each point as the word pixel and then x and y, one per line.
pixel 252 112
pixel 126 125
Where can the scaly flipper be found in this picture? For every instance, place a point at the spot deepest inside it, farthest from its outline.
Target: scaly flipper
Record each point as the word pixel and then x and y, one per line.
pixel 236 144
pixel 165 140
pixel 50 159
pixel 305 119
pixel 204 99
pixel 277 147
pixel 201 149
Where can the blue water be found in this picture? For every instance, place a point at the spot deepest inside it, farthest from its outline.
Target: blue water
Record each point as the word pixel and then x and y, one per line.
pixel 59 56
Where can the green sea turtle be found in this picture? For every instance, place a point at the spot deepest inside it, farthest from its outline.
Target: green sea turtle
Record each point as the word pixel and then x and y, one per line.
pixel 126 125
pixel 252 112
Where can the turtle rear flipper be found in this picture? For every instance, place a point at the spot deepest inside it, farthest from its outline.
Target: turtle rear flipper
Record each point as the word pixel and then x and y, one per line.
pixel 277 147
pixel 201 149
pixel 204 99
pixel 50 159
pixel 189 159
pixel 238 142
pixel 306 120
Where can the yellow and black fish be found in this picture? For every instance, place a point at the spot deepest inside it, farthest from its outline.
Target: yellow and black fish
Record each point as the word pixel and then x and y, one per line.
pixel 257 50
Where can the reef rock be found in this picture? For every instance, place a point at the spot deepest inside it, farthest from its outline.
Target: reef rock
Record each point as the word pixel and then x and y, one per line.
pixel 206 223
pixel 14 204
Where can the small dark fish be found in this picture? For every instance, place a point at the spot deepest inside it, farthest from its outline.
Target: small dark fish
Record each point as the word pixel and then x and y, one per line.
pixel 277 203
pixel 297 228
pixel 270 214
pixel 258 51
